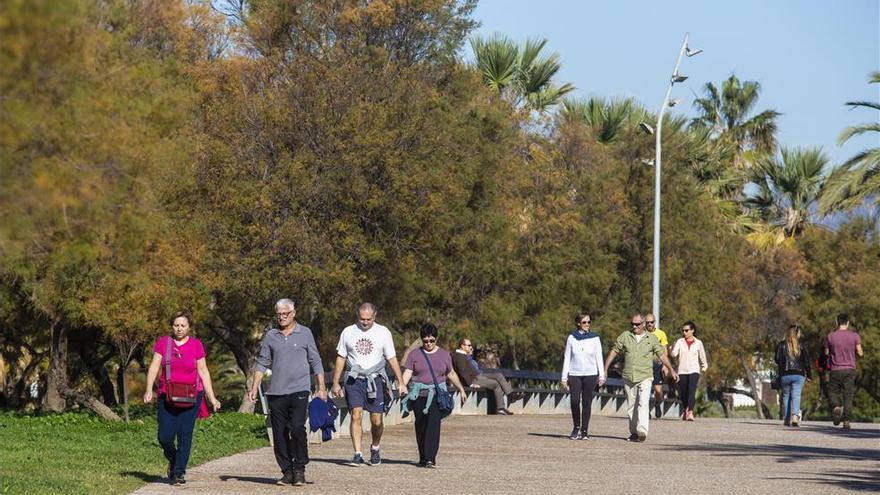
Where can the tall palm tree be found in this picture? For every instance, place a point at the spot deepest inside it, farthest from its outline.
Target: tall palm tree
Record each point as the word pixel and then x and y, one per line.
pixel 520 73
pixel 787 189
pixel 605 117
pixel 727 113
pixel 859 177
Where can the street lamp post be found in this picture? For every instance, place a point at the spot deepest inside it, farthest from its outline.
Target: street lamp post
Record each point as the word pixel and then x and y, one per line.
pixel 675 78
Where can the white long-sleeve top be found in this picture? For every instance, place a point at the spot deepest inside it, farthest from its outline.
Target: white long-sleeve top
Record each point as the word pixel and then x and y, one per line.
pixel 583 358
pixel 690 359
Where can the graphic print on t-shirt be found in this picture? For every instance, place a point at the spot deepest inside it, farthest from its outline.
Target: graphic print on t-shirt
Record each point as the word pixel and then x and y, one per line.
pixel 364 347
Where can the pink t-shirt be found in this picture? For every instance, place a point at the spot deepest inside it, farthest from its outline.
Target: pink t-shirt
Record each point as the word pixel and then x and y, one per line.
pixel 183 361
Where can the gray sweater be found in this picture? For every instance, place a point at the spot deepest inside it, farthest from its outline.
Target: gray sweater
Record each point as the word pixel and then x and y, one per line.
pixel 291 358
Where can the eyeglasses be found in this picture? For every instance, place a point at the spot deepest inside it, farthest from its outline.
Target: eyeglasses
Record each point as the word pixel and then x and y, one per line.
pixel 683 330
pixel 429 341
pixel 585 322
pixel 649 322
pixel 637 324
pixel 284 315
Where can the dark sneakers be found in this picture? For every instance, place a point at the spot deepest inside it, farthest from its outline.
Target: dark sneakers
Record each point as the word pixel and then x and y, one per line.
pixel 575 434
pixel 299 478
pixel 658 413
pixel 639 436
pixel 584 435
pixel 286 479
pixel 375 458
pixel 357 460
pixel 178 480
pixel 836 413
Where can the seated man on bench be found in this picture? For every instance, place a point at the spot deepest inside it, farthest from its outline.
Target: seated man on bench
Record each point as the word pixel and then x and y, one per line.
pixel 472 375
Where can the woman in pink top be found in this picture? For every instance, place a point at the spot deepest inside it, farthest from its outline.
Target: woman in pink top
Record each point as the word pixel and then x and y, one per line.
pixel 691 362
pixel 187 366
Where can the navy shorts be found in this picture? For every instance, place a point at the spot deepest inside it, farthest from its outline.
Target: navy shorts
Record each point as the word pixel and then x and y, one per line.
pixel 658 373
pixel 356 395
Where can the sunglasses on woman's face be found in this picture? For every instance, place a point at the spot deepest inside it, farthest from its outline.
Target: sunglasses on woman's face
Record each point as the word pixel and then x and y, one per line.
pixel 429 341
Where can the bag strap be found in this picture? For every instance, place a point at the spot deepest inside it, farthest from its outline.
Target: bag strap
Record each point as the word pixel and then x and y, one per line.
pixel 430 368
pixel 168 363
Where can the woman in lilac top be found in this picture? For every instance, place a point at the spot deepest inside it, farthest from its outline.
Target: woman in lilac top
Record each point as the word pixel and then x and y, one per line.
pixel 187 366
pixel 417 377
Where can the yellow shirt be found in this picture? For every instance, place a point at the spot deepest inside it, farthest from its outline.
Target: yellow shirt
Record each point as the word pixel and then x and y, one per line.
pixel 661 336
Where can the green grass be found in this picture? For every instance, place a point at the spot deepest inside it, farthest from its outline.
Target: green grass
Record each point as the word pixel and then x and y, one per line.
pixel 76 452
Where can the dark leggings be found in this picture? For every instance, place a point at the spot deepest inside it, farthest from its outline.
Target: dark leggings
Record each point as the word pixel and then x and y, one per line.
pixel 427 429
pixel 687 389
pixel 582 388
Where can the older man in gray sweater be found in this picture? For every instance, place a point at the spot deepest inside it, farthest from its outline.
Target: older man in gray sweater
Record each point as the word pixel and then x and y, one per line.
pixel 291 353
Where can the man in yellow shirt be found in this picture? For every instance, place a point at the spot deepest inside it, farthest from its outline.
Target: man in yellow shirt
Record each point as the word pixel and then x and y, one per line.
pixel 650 321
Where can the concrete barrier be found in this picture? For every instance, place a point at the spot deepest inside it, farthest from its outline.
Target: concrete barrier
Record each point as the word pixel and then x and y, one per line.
pixel 609 402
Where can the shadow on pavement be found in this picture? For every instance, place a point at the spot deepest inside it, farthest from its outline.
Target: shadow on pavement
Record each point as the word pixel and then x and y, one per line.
pixel 863 481
pixel 149 478
pixel 783 453
pixel 248 479
pixel 565 437
pixel 857 433
pixel 343 462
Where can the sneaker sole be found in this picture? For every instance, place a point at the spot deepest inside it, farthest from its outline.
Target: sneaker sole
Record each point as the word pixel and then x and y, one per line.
pixel 836 414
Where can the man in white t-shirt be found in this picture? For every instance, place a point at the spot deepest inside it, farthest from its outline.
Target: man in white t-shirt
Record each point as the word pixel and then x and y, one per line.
pixel 362 352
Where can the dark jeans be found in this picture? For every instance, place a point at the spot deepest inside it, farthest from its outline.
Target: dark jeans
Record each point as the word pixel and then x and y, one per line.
pixel 427 429
pixel 177 423
pixel 582 388
pixel 841 387
pixel 687 389
pixel 287 414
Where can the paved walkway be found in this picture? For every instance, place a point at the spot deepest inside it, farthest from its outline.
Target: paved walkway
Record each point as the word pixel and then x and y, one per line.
pixel 531 454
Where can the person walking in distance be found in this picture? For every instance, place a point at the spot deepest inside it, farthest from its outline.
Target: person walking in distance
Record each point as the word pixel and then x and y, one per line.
pixel 691 362
pixel 650 322
pixel 290 351
pixel 362 352
pixel 582 370
pixel 843 347
pixel 638 350
pixel 793 366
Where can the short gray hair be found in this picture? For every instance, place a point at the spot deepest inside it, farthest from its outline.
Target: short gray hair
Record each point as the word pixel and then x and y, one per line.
pixel 372 307
pixel 285 302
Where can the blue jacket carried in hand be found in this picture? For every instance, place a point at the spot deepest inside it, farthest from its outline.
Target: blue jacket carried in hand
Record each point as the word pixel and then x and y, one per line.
pixel 322 414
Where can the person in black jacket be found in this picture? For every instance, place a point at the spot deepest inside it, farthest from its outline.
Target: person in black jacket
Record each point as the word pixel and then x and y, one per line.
pixel 793 367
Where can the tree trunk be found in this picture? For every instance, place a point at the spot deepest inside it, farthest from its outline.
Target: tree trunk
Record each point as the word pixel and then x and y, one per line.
pixel 98 369
pixel 54 400
pixel 89 402
pixel 247 407
pixel 243 352
pixel 761 409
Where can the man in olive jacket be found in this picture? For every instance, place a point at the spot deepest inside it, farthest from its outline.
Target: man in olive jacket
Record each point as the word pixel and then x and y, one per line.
pixel 639 349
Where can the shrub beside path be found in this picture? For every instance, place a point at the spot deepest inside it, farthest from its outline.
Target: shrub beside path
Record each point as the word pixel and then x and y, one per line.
pixel 531 454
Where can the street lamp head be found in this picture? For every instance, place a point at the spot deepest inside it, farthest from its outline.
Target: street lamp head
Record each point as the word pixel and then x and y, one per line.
pixel 677 78
pixel 674 102
pixel 691 53
pixel 647 129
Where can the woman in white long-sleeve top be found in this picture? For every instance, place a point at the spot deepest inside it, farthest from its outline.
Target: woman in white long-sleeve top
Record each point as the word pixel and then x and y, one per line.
pixel 582 370
pixel 691 362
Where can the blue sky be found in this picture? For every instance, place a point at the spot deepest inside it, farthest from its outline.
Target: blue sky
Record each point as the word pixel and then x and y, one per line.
pixel 810 56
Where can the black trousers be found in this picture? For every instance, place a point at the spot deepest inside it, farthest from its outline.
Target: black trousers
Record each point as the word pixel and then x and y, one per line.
pixel 841 388
pixel 287 414
pixel 427 429
pixel 582 388
pixel 687 389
